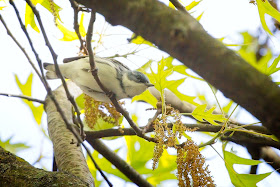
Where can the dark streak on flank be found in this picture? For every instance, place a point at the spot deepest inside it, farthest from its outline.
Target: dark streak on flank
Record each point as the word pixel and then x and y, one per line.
pixel 120 77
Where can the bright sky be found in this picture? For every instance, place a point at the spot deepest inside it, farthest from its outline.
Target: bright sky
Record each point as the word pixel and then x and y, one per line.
pixel 222 18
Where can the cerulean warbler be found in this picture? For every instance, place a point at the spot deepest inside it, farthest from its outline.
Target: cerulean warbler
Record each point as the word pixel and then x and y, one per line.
pixel 115 76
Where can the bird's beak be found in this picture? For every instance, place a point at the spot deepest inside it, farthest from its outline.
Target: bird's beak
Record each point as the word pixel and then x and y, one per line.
pixel 149 84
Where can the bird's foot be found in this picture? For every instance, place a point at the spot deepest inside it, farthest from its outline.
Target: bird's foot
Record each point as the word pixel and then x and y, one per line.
pixel 111 95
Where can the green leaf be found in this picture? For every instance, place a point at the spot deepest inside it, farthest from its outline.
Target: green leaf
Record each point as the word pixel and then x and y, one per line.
pixel 71 35
pixel 147 97
pixel 265 7
pixel 80 100
pixel 172 6
pixel 30 17
pixel 138 159
pixel 13 148
pixel 188 7
pixel 159 78
pixel 139 153
pixel 165 170
pixel 50 6
pixel 273 68
pixel 192 5
pixel 140 40
pixel 25 89
pixel 242 179
pixel 94 172
pixel 37 112
pixel 248 52
pixel 179 68
pixel 227 107
pixel 199 17
pixel 105 165
pixel 201 114
pixel 173 87
pixel 102 125
pixel 3 4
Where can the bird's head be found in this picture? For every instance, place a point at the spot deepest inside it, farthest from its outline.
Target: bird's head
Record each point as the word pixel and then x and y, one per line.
pixel 135 83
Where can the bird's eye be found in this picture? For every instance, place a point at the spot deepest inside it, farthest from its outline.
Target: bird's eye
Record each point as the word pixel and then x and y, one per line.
pixel 138 77
pixel 142 78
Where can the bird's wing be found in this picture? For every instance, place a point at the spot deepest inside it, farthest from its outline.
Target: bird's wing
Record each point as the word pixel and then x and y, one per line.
pixel 67 60
pixel 119 64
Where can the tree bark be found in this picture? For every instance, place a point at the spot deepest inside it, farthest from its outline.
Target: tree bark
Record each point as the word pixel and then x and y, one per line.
pixel 69 157
pixel 183 37
pixel 14 171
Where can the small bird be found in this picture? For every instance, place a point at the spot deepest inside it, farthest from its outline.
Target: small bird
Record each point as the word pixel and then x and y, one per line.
pixel 115 76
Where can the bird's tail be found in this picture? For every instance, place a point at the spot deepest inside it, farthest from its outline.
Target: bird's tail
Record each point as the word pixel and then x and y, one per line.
pixel 50 74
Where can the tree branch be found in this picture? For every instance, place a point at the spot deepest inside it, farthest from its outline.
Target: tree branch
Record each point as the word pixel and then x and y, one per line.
pixel 185 39
pixel 75 7
pixel 69 157
pixel 14 171
pixel 23 97
pixel 237 137
pixel 117 161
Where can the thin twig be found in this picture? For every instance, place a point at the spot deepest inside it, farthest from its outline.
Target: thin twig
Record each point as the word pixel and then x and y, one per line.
pixel 22 49
pixel 89 35
pixel 54 55
pixel 75 7
pixel 151 121
pixel 23 97
pixel 111 95
pixel 212 141
pixel 178 5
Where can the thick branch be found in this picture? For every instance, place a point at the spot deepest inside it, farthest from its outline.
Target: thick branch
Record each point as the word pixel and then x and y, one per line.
pixel 183 37
pixel 69 157
pixel 15 171
pixel 112 157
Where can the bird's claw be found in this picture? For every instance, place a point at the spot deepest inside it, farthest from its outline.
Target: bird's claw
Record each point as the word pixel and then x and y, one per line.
pixel 110 94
